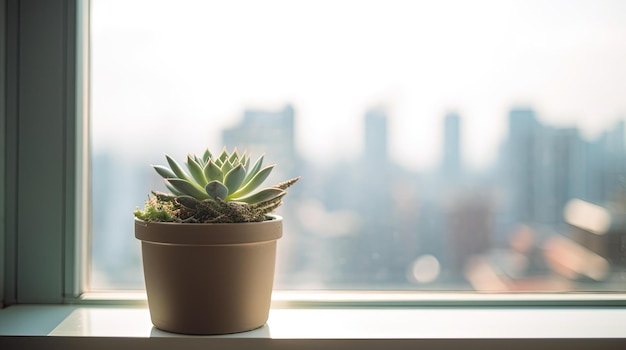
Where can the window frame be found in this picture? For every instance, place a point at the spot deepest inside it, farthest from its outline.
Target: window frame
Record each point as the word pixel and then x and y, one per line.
pixel 44 150
pixel 46 265
pixel 3 132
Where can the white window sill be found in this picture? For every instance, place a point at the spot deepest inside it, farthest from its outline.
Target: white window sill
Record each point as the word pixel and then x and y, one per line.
pixel 94 327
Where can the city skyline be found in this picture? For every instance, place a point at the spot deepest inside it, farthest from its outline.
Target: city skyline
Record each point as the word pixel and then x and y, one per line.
pixel 419 59
pixel 439 150
pixel 340 233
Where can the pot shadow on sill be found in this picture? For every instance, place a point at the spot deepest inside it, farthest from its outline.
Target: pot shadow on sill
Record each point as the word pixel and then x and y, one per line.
pixel 262 332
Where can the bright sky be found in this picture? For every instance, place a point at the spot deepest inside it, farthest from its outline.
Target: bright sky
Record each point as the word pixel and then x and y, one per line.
pixel 174 73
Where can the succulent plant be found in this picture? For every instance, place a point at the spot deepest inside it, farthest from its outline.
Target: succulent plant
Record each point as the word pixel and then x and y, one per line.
pixel 215 189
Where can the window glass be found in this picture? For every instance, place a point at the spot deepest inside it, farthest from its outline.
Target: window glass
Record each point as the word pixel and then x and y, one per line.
pixel 443 145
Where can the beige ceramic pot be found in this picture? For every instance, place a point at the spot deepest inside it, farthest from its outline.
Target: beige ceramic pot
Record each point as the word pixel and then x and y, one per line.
pixel 209 278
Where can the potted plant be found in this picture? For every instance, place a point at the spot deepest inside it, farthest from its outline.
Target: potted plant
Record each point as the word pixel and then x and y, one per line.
pixel 209 246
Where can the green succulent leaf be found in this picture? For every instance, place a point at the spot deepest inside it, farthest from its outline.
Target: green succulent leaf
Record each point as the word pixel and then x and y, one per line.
pixel 226 167
pixel 199 161
pixel 223 156
pixel 234 178
pixel 164 171
pixel 246 163
pixel 187 201
pixel 255 169
pixel 177 169
pixel 173 189
pixel 196 171
pixel 216 189
pixel 254 182
pixel 261 196
pixel 243 159
pixel 206 156
pixel 213 172
pixel 188 188
pixel 234 157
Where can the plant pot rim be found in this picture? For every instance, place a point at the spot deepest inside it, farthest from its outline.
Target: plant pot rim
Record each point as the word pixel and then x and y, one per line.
pixel 209 233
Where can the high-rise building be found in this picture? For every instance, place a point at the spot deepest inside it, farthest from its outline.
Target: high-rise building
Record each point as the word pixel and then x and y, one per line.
pixel 608 159
pixel 451 160
pixel 522 155
pixel 265 132
pixel 376 139
pixel 545 167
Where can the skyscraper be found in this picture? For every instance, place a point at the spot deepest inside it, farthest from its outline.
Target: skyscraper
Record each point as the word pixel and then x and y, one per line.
pixel 521 161
pixel 376 135
pixel 265 132
pixel 451 162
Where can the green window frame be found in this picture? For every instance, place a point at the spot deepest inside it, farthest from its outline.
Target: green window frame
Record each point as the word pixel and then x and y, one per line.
pixel 42 150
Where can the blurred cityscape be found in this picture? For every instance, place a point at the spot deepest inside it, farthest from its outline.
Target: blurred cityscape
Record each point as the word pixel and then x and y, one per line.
pixel 548 215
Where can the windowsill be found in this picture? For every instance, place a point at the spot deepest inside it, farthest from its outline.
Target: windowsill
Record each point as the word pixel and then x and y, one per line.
pixel 96 326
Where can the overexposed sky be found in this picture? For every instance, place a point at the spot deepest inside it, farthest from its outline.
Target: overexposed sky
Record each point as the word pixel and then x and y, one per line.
pixel 169 75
